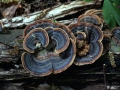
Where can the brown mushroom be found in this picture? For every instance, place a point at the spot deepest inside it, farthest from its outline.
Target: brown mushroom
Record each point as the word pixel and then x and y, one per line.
pixel 81 35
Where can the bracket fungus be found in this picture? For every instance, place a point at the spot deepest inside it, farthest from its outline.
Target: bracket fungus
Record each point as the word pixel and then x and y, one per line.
pixel 58 48
pixel 89 18
pixel 35 66
pixel 81 44
pixel 91 48
pixel 60 37
pixel 35 37
pixel 95 12
pixel 90 11
pixel 115 41
pixel 38 24
pixel 116 34
pixel 67 30
pixel 65 58
pixel 81 35
pixel 47 23
pixel 50 62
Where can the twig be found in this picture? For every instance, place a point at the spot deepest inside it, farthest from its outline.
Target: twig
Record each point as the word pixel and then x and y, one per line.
pixel 62 11
pixel 104 72
pixel 2 26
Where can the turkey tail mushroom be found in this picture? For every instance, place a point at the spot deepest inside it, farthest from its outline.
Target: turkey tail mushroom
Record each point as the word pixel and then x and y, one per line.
pixel 51 62
pixel 58 43
pixel 38 24
pixel 95 45
pixel 67 30
pixel 89 18
pixel 36 66
pixel 46 24
pixel 96 12
pixel 81 35
pixel 115 41
pixel 35 38
pixel 116 34
pixel 65 59
pixel 61 38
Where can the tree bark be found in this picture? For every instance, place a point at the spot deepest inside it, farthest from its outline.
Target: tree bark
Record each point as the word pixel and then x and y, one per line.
pixel 56 12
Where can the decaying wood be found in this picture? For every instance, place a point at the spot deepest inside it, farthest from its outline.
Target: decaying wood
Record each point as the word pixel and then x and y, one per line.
pixel 95 70
pixel 8 39
pixel 9 59
pixel 55 12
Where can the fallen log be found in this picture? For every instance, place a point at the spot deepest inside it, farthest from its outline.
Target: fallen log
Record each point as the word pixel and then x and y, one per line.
pixel 17 71
pixel 55 12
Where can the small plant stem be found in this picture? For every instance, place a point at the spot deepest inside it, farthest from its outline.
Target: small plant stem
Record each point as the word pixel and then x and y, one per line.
pixel 104 72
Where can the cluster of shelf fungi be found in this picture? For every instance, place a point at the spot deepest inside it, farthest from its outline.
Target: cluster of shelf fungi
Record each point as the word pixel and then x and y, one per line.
pixel 53 47
pixel 49 47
